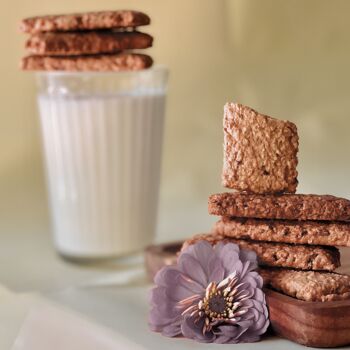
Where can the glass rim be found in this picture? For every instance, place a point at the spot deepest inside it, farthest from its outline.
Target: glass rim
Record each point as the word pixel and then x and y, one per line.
pixel 159 68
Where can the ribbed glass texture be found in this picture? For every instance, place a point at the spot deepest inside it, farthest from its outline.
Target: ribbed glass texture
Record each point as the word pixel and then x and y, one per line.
pixel 102 138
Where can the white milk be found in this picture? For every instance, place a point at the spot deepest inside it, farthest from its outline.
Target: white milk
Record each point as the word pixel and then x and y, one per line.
pixel 103 156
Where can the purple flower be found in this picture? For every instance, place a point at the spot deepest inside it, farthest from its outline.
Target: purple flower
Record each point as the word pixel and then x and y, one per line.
pixel 211 295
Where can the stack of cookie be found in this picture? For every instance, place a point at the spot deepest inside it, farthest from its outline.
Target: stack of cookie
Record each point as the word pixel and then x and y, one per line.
pixel 294 235
pixel 93 41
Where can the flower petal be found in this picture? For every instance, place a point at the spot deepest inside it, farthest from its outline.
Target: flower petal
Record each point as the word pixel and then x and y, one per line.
pixel 259 295
pixel 163 312
pixel 228 330
pixel 178 286
pixel 229 256
pixel 194 330
pixel 222 339
pixel 166 275
pixel 247 255
pixel 203 252
pixel 216 271
pixel 191 267
pixel 247 267
pixel 172 330
pixel 249 337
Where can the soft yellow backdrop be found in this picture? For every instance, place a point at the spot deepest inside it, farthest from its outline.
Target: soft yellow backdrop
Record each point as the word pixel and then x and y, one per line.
pixel 289 59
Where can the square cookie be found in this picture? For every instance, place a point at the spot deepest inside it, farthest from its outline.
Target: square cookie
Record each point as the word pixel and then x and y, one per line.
pixel 308 285
pixel 260 152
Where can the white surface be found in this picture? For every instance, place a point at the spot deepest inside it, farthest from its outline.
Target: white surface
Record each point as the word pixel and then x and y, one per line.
pixel 48 326
pixel 103 156
pixel 12 312
pixel 31 322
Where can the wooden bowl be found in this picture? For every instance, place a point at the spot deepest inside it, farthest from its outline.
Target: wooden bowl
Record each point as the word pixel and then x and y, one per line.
pixel 159 255
pixel 315 324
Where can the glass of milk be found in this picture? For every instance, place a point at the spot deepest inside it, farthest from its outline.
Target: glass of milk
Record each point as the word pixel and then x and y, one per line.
pixel 102 137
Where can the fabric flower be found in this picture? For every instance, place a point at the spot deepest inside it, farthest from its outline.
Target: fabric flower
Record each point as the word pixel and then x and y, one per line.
pixel 213 294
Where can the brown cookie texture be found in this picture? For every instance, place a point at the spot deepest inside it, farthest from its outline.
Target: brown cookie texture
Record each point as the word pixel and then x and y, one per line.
pixel 101 63
pixel 86 43
pixel 280 254
pixel 260 152
pixel 287 206
pixel 308 285
pixel 299 232
pixel 84 21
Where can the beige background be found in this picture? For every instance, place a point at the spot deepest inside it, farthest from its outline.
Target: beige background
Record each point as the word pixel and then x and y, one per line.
pixel 289 59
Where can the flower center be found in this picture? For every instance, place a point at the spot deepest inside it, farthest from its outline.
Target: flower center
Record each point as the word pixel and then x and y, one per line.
pixel 223 302
pixel 217 304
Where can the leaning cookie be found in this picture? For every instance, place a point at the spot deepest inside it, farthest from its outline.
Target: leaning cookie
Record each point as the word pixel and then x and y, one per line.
pixel 84 21
pixel 86 43
pixel 101 63
pixel 260 152
pixel 308 285
pixel 280 254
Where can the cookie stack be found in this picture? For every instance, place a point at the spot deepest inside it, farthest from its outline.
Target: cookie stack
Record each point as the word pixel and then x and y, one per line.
pixel 93 41
pixel 294 235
